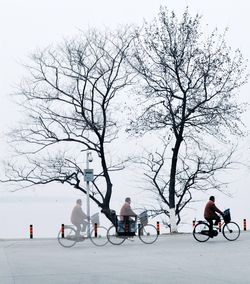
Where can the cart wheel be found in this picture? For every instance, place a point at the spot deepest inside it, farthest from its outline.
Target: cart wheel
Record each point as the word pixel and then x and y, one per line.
pixel 113 238
pixel 148 234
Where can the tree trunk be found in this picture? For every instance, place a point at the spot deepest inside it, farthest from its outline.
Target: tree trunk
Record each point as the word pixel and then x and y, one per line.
pixel 173 221
pixel 173 226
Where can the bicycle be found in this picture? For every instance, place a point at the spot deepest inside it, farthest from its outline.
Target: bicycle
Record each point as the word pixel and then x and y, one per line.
pixel 230 230
pixel 127 229
pixel 98 235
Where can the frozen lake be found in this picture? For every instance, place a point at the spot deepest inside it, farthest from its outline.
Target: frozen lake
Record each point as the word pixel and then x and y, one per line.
pixel 172 259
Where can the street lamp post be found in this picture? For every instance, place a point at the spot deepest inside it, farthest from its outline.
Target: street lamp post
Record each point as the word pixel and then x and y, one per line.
pixel 88 176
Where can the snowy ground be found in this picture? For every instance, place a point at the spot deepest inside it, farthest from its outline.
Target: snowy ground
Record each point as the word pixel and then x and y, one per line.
pixel 172 259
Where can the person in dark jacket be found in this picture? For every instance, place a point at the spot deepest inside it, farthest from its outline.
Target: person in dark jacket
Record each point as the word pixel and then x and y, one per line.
pixel 210 214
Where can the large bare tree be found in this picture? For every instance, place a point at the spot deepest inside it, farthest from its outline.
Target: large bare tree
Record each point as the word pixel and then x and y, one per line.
pixel 196 171
pixel 191 84
pixel 69 99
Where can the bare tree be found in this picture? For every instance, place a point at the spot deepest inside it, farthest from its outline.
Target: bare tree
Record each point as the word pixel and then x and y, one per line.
pixel 190 83
pixel 197 172
pixel 69 99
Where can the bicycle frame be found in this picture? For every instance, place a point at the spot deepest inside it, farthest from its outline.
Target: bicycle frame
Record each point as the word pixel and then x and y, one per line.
pixel 220 226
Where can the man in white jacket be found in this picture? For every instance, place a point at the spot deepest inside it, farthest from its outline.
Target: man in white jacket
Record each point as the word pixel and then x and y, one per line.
pixel 78 217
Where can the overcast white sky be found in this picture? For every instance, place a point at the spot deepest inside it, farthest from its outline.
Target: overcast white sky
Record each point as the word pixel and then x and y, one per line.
pixel 26 25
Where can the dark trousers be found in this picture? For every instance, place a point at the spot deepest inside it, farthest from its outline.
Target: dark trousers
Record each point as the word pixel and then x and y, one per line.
pixel 210 221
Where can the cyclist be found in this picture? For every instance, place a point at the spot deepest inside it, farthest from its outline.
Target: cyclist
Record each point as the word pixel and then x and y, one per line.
pixel 126 212
pixel 210 214
pixel 78 217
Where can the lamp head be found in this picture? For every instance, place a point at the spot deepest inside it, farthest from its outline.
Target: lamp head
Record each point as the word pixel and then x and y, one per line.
pixel 90 158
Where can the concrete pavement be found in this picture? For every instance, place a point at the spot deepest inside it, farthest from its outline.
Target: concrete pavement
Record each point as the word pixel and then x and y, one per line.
pixel 172 259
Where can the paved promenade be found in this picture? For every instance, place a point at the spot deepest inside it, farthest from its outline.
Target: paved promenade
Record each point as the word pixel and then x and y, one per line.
pixel 172 259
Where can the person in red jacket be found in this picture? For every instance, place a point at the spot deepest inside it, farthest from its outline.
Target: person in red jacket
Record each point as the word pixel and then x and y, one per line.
pixel 126 209
pixel 210 214
pixel 127 215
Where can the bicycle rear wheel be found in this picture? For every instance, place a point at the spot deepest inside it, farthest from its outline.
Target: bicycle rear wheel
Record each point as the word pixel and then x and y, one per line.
pixel 201 232
pixel 98 236
pixel 231 231
pixel 148 234
pixel 67 237
pixel 113 238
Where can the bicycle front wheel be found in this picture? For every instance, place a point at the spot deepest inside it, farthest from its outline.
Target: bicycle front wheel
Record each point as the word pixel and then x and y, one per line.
pixel 98 236
pixel 113 238
pixel 148 234
pixel 231 231
pixel 67 237
pixel 201 232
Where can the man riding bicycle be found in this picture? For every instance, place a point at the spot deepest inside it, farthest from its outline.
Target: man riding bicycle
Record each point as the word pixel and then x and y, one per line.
pixel 79 218
pixel 210 214
pixel 127 214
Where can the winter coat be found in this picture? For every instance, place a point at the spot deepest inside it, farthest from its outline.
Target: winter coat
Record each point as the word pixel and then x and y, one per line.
pixel 126 210
pixel 77 215
pixel 211 209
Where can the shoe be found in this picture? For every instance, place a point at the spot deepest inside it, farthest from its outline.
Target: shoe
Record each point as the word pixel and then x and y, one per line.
pixel 211 235
pixel 130 239
pixel 215 233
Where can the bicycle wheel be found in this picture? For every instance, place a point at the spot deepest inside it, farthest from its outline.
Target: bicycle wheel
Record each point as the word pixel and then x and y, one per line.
pixel 148 234
pixel 68 239
pixel 98 236
pixel 231 231
pixel 201 232
pixel 113 238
